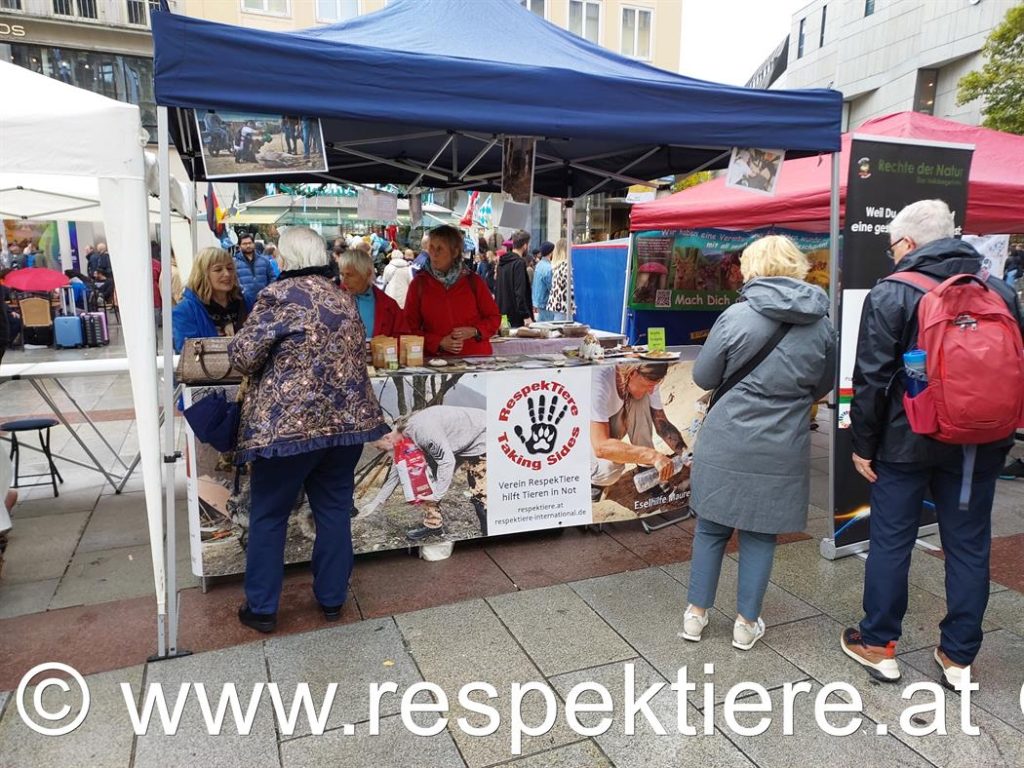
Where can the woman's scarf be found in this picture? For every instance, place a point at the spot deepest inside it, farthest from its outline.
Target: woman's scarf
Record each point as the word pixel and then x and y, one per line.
pixel 447 279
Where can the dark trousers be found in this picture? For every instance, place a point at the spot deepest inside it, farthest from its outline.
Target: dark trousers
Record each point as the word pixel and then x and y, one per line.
pixel 896 500
pixel 328 475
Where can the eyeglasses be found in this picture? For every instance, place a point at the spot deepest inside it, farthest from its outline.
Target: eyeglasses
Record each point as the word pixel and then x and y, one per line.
pixel 889 251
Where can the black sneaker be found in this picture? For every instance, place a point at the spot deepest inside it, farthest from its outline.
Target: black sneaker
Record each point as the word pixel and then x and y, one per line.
pixel 424 532
pixel 1013 471
pixel 261 622
pixel 331 612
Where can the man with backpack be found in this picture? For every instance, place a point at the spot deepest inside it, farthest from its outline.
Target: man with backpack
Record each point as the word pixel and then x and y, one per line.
pixel 954 441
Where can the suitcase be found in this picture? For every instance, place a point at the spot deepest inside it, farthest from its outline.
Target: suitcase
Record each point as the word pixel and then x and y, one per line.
pixel 67 332
pixel 94 325
pixel 67 326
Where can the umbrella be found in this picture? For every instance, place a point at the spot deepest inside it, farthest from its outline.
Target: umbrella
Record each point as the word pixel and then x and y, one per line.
pixel 655 267
pixel 35 279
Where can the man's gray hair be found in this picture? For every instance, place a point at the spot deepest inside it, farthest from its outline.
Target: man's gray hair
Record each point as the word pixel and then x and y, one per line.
pixel 301 247
pixel 923 222
pixel 358 260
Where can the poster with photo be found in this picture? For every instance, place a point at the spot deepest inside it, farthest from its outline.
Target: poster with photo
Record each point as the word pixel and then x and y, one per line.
pixel 755 170
pixel 247 144
pixel 699 269
pixel 517 167
pixel 478 453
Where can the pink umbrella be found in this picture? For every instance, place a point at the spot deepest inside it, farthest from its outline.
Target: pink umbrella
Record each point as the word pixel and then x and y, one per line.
pixel 35 279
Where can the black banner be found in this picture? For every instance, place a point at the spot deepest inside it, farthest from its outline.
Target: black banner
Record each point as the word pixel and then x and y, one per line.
pixel 885 176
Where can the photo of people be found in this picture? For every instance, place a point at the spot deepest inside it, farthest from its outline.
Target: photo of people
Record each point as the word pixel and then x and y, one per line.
pixel 755 169
pixel 241 144
pixel 517 168
pixel 644 417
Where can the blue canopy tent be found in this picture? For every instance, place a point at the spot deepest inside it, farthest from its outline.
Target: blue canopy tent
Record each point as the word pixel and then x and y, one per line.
pixel 420 94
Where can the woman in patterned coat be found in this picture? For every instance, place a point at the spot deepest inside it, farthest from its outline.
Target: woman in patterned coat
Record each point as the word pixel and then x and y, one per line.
pixel 308 412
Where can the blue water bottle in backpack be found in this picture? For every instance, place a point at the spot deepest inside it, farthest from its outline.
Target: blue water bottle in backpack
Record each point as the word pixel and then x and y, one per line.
pixel 914 363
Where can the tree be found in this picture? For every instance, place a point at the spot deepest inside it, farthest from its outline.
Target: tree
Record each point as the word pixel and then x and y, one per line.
pixel 1000 82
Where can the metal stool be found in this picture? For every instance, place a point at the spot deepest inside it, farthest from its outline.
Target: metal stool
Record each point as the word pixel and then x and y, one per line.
pixel 43 427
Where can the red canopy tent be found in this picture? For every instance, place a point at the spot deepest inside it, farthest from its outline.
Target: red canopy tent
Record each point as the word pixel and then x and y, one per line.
pixel 995 203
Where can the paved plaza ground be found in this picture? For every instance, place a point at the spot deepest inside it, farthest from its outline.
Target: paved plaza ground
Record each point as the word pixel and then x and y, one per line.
pixel 557 608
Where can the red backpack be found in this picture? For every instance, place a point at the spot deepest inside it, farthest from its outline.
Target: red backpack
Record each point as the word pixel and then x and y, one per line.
pixel 975 363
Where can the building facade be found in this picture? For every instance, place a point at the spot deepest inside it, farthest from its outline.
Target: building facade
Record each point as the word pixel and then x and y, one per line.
pixel 890 55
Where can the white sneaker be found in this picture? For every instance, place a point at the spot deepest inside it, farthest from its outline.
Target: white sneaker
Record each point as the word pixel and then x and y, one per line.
pixel 953 676
pixel 693 625
pixel 745 635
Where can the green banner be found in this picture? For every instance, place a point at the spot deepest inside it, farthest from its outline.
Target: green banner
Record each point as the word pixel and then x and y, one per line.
pixel 699 269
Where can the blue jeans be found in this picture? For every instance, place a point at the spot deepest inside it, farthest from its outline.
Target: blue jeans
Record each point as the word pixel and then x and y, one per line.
pixel 328 475
pixel 896 499
pixel 546 315
pixel 757 551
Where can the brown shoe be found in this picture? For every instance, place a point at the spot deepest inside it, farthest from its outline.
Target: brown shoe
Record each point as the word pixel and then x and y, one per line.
pixel 879 660
pixel 954 675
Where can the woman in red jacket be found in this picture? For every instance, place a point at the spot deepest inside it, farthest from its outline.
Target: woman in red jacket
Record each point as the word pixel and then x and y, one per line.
pixel 380 314
pixel 448 303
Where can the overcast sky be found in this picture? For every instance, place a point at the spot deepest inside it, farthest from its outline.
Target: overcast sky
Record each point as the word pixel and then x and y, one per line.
pixel 727 40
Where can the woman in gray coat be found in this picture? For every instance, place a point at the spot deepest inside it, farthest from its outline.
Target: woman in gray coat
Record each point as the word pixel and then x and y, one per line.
pixel 751 462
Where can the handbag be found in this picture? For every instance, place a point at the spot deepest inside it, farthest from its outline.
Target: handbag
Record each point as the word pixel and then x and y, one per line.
pixel 750 365
pixel 215 420
pixel 206 361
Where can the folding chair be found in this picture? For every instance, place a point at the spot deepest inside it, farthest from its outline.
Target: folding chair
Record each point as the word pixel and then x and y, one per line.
pixel 36 321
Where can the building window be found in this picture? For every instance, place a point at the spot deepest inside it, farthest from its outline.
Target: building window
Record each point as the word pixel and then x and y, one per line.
pixel 85 9
pixel 272 7
pixel 336 10
pixel 869 7
pixel 821 34
pixel 800 39
pixel 636 33
pixel 10 5
pixel 139 10
pixel 538 7
pixel 585 19
pixel 924 94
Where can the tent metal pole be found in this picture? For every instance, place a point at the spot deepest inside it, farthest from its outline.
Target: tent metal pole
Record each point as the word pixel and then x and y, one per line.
pixel 570 298
pixel 170 459
pixel 835 287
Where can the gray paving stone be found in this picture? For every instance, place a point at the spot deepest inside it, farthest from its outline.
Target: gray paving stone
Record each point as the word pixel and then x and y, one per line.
pixel 27 597
pixel 813 645
pixel 353 656
pixel 1006 610
pixel 458 644
pixel 999 670
pixel 39 548
pixel 103 739
pixel 583 754
pixel 244 666
pixel 779 606
pixel 646 748
pixel 646 608
pixel 78 494
pixel 114 574
pixel 120 521
pixel 832 586
pixel 558 630
pixel 394 747
pixel 809 745
pixel 1008 508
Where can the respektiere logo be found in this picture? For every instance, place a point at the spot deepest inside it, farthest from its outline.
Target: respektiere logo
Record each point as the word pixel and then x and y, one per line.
pixel 536 413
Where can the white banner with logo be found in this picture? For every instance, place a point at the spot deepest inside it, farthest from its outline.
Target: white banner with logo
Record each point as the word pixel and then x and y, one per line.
pixel 538 450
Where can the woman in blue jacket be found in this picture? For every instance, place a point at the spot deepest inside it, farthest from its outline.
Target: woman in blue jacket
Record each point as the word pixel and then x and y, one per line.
pixel 213 304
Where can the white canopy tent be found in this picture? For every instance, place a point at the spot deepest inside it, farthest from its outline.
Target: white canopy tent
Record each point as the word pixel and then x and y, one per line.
pixel 96 155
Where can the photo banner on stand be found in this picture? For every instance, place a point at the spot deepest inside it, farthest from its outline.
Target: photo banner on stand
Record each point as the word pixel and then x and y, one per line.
pixel 885 176
pixel 699 269
pixel 495 446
